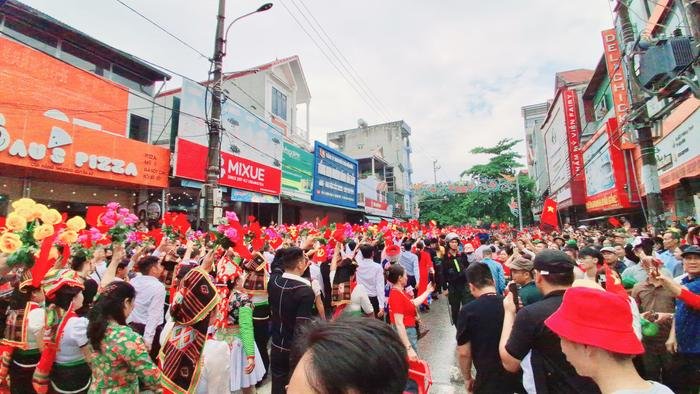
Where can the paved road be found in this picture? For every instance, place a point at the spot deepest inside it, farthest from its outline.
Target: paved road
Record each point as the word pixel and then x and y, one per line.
pixel 437 348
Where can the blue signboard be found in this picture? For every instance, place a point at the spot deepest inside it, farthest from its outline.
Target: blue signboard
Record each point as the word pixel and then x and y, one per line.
pixel 335 177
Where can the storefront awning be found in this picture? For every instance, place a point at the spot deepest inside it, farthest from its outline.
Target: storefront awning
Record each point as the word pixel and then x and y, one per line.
pixel 320 204
pixel 377 219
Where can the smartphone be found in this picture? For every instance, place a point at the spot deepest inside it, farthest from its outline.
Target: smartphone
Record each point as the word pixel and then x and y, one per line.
pixel 513 289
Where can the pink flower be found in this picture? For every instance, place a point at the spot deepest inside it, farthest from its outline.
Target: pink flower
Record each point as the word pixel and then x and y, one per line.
pixel 110 215
pixel 113 206
pixel 231 216
pixel 220 228
pixel 131 219
pixel 231 233
pixel 108 222
pixel 123 211
pixel 82 238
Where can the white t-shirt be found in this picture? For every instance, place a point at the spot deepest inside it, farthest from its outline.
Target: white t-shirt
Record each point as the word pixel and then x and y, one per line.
pixel 656 388
pixel 359 300
pixel 35 327
pixel 74 337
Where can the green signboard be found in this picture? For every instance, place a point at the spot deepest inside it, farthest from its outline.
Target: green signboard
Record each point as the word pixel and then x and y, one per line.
pixel 297 172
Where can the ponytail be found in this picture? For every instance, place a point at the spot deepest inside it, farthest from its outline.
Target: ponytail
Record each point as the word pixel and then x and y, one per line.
pixel 110 305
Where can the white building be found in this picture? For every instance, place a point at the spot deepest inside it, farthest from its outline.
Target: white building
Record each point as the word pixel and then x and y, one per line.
pixel 391 142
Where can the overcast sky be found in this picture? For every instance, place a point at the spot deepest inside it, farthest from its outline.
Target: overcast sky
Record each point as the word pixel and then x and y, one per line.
pixel 456 71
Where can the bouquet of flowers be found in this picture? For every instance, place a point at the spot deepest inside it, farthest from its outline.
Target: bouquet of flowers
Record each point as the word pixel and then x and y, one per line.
pixel 118 221
pixel 27 228
pixel 175 225
pixel 228 233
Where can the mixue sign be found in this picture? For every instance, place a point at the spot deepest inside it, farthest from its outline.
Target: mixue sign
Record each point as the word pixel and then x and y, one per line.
pixel 236 172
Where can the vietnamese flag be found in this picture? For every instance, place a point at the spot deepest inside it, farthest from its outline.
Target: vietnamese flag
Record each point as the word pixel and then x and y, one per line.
pixel 614 222
pixel 549 213
pixel 94 214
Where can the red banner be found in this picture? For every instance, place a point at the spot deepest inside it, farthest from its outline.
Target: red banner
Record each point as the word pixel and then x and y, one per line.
pixel 236 172
pixel 370 203
pixel 618 83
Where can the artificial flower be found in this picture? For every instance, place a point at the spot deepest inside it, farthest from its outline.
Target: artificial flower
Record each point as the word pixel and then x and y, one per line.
pixel 68 236
pixel 26 203
pixel 43 231
pixel 9 242
pixel 37 211
pixel 76 223
pixel 15 222
pixel 51 217
pixel 25 212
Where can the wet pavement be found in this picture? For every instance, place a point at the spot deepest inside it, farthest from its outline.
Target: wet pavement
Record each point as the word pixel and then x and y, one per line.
pixel 437 348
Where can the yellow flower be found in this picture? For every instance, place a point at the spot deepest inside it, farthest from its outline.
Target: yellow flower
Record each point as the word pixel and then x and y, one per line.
pixel 76 223
pixel 68 236
pixel 9 242
pixel 26 213
pixel 23 203
pixel 15 222
pixel 51 217
pixel 43 231
pixel 38 210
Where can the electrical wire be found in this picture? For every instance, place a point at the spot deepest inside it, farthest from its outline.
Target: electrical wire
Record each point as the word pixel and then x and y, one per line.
pixel 344 61
pixel 323 52
pixel 164 30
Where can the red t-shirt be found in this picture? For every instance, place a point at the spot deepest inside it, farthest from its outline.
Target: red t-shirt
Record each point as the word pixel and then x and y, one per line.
pixel 400 303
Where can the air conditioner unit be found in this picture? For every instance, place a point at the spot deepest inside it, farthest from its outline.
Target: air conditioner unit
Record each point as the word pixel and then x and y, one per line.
pixel 662 62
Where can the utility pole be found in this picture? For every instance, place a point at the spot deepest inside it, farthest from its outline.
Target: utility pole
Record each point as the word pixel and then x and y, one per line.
pixel 435 168
pixel 520 208
pixel 639 118
pixel 213 171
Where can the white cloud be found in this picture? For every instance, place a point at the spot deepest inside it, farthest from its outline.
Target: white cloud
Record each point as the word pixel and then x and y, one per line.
pixel 457 71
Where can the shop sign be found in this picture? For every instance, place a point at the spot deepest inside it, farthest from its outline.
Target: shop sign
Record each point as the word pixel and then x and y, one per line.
pixel 297 172
pixel 556 148
pixel 335 177
pixel 618 82
pixel 678 154
pixel 56 118
pixel 373 194
pixel 571 119
pixel 236 172
pixel 246 196
pixel 245 134
pixel 605 171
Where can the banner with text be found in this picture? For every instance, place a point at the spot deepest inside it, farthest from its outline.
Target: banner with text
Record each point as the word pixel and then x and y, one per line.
pixel 297 172
pixel 335 177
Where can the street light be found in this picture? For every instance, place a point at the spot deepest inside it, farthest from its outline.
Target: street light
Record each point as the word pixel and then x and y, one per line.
pixel 212 192
pixel 262 8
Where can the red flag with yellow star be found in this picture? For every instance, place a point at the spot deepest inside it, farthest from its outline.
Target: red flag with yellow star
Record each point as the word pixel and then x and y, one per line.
pixel 549 214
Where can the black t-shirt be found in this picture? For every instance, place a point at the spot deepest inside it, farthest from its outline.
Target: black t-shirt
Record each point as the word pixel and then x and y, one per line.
pixel 291 305
pixel 480 323
pixel 454 270
pixel 552 373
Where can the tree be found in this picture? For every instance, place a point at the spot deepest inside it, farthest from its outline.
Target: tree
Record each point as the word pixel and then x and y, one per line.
pixel 466 208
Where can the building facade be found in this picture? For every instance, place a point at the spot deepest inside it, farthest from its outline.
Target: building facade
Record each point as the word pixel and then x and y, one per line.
pixel 76 119
pixel 533 116
pixel 561 131
pixel 390 142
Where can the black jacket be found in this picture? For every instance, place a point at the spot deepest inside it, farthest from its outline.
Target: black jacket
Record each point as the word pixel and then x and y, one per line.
pixel 454 269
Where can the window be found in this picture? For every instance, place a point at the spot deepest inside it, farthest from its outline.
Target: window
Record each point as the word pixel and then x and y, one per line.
pixel 279 104
pixel 138 128
pixel 30 35
pixel 83 59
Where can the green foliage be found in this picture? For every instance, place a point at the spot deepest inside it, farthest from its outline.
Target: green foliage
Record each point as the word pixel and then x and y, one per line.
pixel 460 209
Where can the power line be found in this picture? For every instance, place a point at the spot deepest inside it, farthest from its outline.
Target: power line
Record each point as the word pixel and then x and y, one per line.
pixel 164 30
pixel 323 52
pixel 344 61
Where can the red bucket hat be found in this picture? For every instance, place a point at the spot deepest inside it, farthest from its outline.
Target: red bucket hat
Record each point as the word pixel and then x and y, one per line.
pixel 596 318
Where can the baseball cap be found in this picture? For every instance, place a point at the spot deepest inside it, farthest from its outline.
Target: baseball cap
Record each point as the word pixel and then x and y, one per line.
pixel 553 261
pixel 521 264
pixel 608 325
pixel 607 249
pixel 692 249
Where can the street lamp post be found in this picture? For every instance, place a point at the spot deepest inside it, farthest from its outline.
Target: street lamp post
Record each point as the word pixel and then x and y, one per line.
pixel 213 170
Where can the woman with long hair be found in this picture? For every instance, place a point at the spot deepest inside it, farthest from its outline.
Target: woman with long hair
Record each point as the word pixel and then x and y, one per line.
pixel 402 309
pixel 120 358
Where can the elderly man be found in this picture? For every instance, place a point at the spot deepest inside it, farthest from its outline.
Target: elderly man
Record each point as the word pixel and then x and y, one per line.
pixel 671 240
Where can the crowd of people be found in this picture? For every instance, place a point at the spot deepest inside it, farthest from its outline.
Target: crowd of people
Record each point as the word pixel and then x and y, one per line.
pixel 103 307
